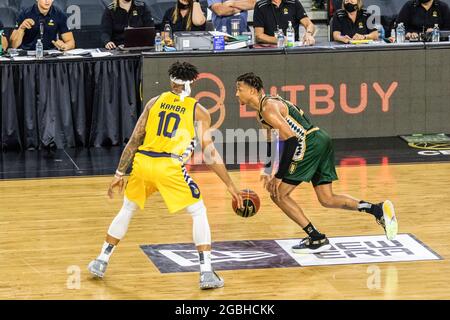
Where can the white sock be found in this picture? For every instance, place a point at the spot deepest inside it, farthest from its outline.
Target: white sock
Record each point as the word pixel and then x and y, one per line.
pixel 205 261
pixel 106 252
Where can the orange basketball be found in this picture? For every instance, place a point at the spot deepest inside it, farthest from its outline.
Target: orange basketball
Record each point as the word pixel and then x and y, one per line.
pixel 251 204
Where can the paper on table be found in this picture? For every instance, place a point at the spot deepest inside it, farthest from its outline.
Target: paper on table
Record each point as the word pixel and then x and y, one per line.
pixel 100 54
pixel 78 51
pixel 23 58
pixel 69 57
pixel 4 59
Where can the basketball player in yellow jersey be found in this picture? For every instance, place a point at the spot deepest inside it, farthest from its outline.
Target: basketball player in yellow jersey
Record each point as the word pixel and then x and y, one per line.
pixel 164 137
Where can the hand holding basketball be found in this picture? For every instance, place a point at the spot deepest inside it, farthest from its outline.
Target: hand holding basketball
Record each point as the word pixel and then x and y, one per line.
pixel 236 196
pixel 251 204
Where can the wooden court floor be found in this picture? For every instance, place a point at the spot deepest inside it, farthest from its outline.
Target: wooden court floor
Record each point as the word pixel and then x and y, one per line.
pixel 50 228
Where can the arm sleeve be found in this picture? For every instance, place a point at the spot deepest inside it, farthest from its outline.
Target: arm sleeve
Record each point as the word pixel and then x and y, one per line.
pixel 107 27
pixel 290 145
pixel 300 11
pixel 258 19
pixel 63 28
pixel 148 18
pixel 211 2
pixel 446 16
pixel 336 24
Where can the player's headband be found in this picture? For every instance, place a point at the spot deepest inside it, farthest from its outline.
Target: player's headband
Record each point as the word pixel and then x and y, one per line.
pixel 187 87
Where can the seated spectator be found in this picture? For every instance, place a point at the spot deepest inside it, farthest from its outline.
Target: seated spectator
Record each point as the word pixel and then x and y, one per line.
pixel 4 40
pixel 121 14
pixel 270 15
pixel 186 15
pixel 350 23
pixel 421 15
pixel 42 21
pixel 223 11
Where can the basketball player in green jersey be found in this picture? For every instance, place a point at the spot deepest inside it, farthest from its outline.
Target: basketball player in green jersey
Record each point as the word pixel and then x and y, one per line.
pixel 307 156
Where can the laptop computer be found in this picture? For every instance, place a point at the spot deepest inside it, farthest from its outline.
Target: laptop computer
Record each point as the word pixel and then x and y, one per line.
pixel 139 39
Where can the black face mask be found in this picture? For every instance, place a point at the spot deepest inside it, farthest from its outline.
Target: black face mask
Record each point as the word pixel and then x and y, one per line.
pixel 127 0
pixel 423 1
pixel 182 6
pixel 350 7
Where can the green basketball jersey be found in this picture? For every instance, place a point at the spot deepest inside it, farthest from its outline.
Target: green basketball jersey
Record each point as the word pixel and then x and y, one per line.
pixel 297 120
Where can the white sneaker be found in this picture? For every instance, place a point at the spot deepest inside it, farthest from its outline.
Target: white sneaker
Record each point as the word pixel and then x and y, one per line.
pixel 210 280
pixel 97 268
pixel 389 222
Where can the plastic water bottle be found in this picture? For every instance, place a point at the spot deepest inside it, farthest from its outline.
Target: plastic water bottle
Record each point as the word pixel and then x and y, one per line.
pixel 400 33
pixel 436 34
pixel 158 42
pixel 280 39
pixel 290 35
pixel 224 29
pixel 167 31
pixel 381 32
pixel 39 49
pixel 1 45
pixel 394 32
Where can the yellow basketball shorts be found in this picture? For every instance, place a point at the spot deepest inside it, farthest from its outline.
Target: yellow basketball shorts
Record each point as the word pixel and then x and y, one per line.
pixel 163 174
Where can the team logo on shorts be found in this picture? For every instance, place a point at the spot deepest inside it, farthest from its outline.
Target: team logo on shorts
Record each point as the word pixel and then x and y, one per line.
pixel 194 190
pixel 435 14
pixel 286 11
pixel 361 25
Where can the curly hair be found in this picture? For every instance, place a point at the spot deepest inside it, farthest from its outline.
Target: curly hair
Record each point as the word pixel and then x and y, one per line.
pixel 183 71
pixel 252 80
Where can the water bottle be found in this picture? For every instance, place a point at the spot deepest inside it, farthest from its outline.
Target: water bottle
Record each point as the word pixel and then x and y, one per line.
pixel 39 49
pixel 290 35
pixel 167 31
pixel 224 29
pixel 1 45
pixel 381 32
pixel 436 34
pixel 394 32
pixel 158 42
pixel 400 33
pixel 280 39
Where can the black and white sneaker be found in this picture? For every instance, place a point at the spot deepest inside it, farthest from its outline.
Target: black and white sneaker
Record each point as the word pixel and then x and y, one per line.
pixel 308 245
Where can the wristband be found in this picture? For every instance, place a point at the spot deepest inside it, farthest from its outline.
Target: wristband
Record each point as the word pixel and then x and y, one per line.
pixel 118 173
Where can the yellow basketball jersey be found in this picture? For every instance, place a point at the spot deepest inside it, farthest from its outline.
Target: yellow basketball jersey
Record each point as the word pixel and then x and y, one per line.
pixel 170 126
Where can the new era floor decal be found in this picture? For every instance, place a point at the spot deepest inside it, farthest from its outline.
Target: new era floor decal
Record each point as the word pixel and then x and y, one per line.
pixel 256 254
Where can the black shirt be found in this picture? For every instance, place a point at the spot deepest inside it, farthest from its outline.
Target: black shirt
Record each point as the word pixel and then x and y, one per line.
pixel 55 23
pixel 115 20
pixel 181 23
pixel 268 16
pixel 415 17
pixel 343 23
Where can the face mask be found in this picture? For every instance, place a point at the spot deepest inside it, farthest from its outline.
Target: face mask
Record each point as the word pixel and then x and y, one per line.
pixel 182 6
pixel 423 1
pixel 350 7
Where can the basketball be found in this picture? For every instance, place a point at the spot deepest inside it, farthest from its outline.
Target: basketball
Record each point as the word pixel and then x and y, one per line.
pixel 251 204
